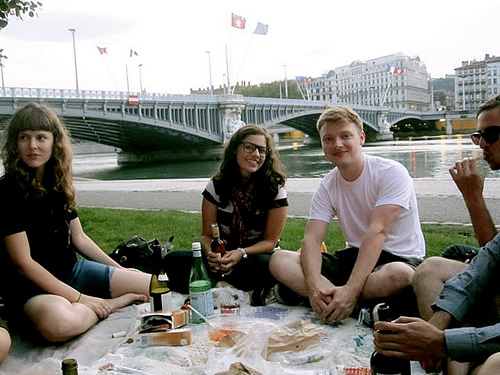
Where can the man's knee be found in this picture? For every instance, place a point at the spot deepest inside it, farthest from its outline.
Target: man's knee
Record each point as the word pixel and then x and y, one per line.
pixel 399 274
pixel 435 269
pixel 282 260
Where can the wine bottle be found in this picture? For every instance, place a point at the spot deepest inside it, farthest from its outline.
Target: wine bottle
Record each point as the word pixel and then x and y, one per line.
pixel 385 365
pixel 200 286
pixel 217 245
pixel 160 297
pixel 69 366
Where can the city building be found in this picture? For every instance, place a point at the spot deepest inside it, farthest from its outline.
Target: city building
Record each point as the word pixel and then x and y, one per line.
pixel 475 82
pixel 396 81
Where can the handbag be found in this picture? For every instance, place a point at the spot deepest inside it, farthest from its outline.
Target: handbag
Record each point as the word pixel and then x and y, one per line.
pixel 138 253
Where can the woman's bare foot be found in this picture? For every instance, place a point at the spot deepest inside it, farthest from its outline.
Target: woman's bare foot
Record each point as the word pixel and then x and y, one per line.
pixel 125 300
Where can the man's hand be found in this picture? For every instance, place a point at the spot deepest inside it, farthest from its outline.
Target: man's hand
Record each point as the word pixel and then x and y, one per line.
pixel 468 178
pixel 414 339
pixel 334 304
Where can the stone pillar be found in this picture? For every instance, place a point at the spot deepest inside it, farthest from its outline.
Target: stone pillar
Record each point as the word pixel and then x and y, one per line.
pixel 449 126
pixel 384 127
pixel 231 106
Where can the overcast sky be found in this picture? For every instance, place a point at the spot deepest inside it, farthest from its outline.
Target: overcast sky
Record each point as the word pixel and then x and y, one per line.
pixel 305 38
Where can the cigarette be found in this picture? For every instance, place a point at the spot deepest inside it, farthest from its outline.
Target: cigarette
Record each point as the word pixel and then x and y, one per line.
pixel 119 334
pixel 477 158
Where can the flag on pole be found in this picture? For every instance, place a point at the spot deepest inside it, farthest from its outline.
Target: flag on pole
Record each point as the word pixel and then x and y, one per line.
pixel 133 53
pixel 300 79
pixel 238 21
pixel 102 50
pixel 395 70
pixel 261 29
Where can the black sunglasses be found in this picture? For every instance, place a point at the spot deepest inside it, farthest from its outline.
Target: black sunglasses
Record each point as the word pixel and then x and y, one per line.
pixel 491 134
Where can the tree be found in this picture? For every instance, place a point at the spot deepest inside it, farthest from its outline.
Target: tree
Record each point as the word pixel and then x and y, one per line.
pixel 17 8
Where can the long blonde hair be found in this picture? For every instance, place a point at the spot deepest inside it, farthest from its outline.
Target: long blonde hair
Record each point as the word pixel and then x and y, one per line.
pixel 58 170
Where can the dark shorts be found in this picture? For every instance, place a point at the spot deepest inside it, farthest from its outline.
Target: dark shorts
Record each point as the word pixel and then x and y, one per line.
pixel 337 267
pixel 92 278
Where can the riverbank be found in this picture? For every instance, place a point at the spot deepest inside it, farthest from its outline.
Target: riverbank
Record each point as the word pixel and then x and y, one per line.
pixel 439 200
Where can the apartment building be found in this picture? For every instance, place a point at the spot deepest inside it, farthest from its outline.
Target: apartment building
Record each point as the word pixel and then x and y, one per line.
pixel 397 81
pixel 476 81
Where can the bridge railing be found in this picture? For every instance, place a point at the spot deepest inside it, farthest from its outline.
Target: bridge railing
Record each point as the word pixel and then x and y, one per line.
pixel 24 92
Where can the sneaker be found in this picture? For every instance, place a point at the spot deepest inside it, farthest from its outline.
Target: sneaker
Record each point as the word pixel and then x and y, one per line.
pixel 286 296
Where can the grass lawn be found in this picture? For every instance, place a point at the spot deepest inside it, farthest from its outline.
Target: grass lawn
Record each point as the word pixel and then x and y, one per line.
pixel 110 227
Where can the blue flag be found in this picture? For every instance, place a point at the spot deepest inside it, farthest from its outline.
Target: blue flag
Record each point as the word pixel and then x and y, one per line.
pixel 261 29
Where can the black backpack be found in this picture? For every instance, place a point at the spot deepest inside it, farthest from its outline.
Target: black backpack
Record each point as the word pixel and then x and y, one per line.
pixel 138 253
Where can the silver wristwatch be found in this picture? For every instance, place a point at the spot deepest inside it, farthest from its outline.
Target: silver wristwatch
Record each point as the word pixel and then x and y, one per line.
pixel 244 254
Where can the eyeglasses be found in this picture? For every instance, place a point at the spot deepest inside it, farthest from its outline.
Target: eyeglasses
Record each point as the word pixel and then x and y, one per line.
pixel 490 135
pixel 250 147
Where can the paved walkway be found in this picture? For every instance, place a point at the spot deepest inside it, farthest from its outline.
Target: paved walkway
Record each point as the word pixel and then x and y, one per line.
pixel 439 201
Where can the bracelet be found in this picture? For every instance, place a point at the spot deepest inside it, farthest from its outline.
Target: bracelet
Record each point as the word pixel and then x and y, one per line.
pixel 79 296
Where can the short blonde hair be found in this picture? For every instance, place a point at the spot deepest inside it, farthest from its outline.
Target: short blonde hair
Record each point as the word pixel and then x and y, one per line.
pixel 339 114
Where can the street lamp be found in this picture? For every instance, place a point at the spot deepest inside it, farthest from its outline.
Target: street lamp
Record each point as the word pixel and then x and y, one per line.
pixel 2 56
pixel 140 76
pixel 74 55
pixel 224 82
pixel 210 73
pixel 286 83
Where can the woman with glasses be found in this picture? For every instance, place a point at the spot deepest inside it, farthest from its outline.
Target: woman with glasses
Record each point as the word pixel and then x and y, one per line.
pixel 247 199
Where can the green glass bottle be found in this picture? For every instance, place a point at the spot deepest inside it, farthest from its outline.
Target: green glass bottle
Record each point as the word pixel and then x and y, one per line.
pixel 69 366
pixel 200 286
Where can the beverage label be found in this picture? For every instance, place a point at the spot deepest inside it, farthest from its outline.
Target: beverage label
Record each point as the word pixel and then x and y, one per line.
pixel 203 302
pixel 161 301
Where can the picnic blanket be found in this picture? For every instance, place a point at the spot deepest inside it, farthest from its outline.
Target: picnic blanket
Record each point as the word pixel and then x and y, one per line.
pixel 340 345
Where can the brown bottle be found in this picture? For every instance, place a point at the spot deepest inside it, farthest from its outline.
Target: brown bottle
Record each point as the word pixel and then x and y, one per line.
pixel 217 245
pixel 69 367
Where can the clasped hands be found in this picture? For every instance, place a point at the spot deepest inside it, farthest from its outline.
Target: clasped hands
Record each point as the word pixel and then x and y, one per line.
pixel 333 304
pixel 225 263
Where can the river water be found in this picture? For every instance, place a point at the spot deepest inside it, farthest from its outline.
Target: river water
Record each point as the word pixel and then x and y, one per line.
pixel 423 157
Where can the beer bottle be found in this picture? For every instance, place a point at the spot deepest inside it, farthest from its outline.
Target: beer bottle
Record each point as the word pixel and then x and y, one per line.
pixel 200 286
pixel 385 365
pixel 69 367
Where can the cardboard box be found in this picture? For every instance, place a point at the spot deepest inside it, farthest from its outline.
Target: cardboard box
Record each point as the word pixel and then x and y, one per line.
pixel 180 336
pixel 164 320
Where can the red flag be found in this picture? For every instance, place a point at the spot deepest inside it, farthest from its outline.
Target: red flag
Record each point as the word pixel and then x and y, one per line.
pixel 102 50
pixel 237 21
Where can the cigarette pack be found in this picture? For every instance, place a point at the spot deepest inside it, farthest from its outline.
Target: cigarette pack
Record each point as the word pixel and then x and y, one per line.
pixel 164 320
pixel 171 337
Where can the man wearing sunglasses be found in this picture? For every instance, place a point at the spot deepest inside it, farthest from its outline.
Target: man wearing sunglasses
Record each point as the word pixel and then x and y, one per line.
pixel 456 297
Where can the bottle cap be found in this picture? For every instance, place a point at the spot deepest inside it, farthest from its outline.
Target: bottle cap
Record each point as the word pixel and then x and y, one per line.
pixel 196 246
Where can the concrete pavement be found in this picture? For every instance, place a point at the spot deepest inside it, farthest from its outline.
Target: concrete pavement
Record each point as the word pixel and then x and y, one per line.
pixel 439 201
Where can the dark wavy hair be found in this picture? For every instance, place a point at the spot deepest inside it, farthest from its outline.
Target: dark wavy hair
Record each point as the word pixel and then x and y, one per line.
pixel 58 170
pixel 269 178
pixel 491 103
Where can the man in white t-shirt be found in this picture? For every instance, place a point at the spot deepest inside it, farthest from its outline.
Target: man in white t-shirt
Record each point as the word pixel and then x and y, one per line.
pixel 375 203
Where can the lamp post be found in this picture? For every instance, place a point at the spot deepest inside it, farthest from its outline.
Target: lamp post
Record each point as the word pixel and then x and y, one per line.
pixel 140 76
pixel 210 73
pixel 224 82
pixel 286 83
pixel 2 56
pixel 74 55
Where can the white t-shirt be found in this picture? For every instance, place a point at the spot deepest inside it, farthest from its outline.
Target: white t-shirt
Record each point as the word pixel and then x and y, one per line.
pixel 382 181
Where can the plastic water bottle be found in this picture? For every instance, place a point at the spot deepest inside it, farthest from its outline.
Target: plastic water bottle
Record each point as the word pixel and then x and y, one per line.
pixel 200 287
